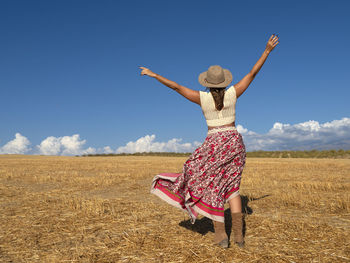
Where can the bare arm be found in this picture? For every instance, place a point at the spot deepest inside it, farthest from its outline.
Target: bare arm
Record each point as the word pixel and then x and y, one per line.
pixel 192 95
pixel 245 82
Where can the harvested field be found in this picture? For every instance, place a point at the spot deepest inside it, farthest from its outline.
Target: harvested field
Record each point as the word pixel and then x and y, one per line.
pixel 99 209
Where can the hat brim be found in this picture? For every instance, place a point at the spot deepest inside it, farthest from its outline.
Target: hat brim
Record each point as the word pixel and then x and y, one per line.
pixel 203 80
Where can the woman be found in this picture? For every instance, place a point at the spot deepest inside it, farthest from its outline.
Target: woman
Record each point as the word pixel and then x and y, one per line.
pixel 211 176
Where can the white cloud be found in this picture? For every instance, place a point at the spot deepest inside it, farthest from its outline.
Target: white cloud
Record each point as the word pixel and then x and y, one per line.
pixel 106 149
pixel 50 146
pixel 19 145
pixel 66 145
pixel 89 150
pixel 72 144
pixel 301 136
pixel 148 144
pixel 241 129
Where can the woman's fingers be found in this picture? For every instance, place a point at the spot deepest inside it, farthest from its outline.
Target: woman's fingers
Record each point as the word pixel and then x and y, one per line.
pixel 272 42
pixel 275 44
pixel 273 37
pixel 145 71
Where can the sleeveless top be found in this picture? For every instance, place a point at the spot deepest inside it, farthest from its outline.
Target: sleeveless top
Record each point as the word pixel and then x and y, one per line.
pixel 226 115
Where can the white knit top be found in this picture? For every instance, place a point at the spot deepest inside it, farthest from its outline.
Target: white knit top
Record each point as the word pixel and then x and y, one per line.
pixel 226 115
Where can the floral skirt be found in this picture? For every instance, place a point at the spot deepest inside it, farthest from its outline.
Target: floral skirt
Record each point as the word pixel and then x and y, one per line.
pixel 210 177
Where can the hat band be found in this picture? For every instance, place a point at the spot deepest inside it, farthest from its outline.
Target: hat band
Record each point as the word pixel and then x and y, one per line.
pixel 215 83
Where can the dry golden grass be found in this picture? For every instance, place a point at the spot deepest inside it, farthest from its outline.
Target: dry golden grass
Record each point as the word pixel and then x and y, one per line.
pixel 99 209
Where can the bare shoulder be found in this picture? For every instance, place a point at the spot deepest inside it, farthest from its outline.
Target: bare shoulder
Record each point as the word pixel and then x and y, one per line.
pixel 238 90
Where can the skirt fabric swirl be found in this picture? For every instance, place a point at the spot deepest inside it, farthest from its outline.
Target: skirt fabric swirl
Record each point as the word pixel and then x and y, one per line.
pixel 210 177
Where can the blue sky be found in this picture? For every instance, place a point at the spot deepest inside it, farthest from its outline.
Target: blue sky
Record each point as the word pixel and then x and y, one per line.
pixel 69 72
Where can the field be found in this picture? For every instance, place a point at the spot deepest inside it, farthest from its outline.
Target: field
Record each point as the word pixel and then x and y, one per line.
pixel 99 209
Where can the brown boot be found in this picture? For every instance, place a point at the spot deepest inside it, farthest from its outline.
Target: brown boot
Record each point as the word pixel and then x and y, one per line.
pixel 237 228
pixel 220 237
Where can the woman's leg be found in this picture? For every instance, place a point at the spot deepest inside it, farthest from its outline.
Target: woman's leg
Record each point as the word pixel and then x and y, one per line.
pixel 220 236
pixel 237 220
pixel 235 204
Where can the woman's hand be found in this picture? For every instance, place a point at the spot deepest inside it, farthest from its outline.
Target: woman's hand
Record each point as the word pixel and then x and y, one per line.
pixel 148 72
pixel 273 41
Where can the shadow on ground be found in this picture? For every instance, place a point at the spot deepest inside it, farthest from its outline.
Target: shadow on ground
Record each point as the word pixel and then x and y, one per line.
pixel 204 225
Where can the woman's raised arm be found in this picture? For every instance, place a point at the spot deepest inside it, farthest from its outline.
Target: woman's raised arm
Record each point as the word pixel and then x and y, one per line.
pixel 192 95
pixel 245 82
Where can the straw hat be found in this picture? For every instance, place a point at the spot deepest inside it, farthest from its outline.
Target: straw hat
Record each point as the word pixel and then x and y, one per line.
pixel 215 77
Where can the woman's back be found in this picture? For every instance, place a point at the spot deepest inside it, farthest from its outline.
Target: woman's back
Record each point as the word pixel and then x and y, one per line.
pixel 215 117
